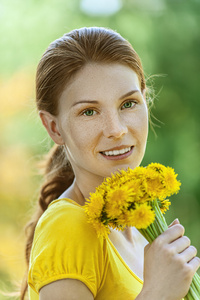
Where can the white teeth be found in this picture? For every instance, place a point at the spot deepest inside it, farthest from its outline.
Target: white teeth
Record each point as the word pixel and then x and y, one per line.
pixel 117 152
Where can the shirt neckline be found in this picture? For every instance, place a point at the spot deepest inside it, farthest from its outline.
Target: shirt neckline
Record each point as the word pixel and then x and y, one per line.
pixel 108 239
pixel 123 261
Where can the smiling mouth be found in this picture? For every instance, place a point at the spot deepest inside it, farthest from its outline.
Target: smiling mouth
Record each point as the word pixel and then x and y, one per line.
pixel 117 152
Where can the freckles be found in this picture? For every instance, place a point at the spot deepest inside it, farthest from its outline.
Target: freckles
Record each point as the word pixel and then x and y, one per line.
pixel 138 124
pixel 84 134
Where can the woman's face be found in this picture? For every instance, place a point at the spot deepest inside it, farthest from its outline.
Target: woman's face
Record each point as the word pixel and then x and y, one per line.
pixel 103 120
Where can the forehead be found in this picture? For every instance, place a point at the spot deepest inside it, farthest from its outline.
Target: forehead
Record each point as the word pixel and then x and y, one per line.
pixel 99 81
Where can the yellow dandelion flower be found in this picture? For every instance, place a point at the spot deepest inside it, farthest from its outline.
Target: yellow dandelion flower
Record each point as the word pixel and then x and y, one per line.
pixel 120 195
pixel 113 211
pixel 125 176
pixel 172 185
pixel 145 198
pixel 122 219
pixel 101 190
pixel 156 167
pixel 164 205
pixel 114 180
pixel 117 225
pixel 141 217
pixel 138 172
pixel 101 229
pixel 154 184
pixel 117 200
pixel 161 181
pixel 138 190
pixel 94 207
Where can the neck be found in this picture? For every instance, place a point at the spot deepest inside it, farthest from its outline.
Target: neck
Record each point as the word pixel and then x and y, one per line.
pixel 127 233
pixel 86 182
pixel 80 190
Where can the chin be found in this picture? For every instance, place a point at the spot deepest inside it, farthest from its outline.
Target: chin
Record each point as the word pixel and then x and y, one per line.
pixel 118 169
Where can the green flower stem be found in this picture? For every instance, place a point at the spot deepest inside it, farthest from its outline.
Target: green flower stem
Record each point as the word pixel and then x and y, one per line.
pixel 195 285
pixel 192 294
pixel 153 231
pixel 197 279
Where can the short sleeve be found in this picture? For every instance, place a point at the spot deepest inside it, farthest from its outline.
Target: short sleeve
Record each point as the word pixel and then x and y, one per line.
pixel 66 246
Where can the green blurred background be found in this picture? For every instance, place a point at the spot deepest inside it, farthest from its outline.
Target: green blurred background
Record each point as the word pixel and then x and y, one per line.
pixel 165 33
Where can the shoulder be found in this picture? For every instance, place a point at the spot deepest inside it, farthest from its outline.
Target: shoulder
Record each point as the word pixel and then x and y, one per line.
pixel 60 210
pixel 66 246
pixel 64 218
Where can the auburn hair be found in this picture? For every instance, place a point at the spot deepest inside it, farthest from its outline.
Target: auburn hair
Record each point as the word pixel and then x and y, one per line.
pixel 61 61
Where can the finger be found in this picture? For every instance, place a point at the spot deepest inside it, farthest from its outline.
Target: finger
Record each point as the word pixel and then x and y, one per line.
pixel 195 263
pixel 180 244
pixel 188 254
pixel 176 221
pixel 172 233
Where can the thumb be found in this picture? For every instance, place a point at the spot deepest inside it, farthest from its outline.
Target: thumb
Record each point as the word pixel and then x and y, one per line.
pixel 176 221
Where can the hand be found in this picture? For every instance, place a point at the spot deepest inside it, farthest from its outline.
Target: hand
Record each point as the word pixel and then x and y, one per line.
pixel 170 263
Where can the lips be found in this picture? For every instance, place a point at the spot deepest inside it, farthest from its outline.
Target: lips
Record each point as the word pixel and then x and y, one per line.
pixel 117 151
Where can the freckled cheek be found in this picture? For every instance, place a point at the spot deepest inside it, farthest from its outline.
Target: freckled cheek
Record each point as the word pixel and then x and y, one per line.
pixel 84 136
pixel 138 123
pixel 139 127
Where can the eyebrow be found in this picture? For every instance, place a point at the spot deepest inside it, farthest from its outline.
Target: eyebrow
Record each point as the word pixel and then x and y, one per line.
pixel 96 102
pixel 128 94
pixel 85 101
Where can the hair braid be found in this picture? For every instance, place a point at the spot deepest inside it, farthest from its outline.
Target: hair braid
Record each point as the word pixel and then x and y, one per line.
pixel 58 176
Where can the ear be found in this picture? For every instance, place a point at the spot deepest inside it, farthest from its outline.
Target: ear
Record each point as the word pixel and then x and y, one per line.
pixel 50 122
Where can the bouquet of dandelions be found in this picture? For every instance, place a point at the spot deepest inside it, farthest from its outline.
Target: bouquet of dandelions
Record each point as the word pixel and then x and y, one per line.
pixel 136 198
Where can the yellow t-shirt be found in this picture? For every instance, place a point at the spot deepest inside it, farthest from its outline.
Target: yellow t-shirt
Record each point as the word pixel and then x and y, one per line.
pixel 66 246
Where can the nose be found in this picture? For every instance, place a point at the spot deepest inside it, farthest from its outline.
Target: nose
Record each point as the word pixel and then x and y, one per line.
pixel 114 127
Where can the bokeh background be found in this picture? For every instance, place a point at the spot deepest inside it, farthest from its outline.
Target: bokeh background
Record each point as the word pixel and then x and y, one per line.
pixel 165 33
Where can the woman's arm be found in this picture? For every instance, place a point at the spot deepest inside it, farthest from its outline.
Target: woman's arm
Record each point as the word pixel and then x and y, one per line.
pixel 66 289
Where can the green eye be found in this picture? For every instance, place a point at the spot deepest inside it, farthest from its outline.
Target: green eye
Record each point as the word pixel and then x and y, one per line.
pixel 89 112
pixel 128 104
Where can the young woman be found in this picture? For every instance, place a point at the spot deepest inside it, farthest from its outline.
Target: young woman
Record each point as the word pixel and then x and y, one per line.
pixel 90 92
